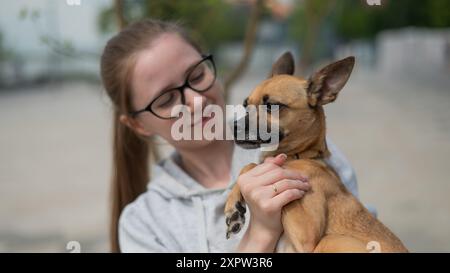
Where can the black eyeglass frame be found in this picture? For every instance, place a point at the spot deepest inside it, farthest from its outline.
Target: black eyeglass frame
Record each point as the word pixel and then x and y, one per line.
pixel 180 89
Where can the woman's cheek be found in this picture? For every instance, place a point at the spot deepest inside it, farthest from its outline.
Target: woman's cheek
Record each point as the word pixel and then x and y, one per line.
pixel 165 129
pixel 218 95
pixel 158 127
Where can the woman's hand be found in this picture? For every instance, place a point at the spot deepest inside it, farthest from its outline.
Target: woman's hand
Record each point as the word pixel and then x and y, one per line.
pixel 266 189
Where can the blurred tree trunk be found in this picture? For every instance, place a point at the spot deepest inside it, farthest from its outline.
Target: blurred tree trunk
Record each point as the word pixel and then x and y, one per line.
pixel 249 42
pixel 120 17
pixel 315 13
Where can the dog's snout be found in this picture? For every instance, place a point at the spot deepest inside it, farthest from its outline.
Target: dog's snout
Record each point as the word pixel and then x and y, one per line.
pixel 240 125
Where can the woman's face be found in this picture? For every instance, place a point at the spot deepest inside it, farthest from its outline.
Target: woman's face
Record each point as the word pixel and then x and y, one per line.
pixel 161 67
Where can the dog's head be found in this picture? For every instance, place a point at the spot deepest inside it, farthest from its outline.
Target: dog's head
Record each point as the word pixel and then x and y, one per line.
pixel 301 120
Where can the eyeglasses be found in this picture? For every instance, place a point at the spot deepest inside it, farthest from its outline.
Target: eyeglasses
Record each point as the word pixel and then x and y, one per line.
pixel 200 78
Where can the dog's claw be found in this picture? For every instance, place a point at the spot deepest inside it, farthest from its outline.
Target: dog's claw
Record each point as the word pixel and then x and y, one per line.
pixel 241 208
pixel 235 219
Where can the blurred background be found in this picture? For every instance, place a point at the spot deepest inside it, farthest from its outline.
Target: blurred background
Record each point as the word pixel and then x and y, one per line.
pixel 392 120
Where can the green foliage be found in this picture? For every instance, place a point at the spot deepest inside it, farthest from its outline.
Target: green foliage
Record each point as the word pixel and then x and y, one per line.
pixel 303 14
pixel 355 19
pixel 439 13
pixel 32 14
pixel 62 47
pixel 105 20
pixel 212 22
pixel 2 49
pixel 5 53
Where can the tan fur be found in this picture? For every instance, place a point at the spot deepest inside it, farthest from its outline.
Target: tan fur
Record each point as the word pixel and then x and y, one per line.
pixel 328 218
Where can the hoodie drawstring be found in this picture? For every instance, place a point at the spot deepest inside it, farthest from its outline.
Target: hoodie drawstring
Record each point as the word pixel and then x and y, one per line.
pixel 203 236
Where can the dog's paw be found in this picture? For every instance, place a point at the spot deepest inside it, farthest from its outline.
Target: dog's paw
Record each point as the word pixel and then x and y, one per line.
pixel 235 219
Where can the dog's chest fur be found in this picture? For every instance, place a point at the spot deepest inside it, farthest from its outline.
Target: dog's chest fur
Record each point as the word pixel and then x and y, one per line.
pixel 284 245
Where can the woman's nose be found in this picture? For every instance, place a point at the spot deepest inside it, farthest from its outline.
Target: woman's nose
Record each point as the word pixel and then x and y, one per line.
pixel 194 99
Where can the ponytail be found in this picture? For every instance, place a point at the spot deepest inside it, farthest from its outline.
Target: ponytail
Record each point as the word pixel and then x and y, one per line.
pixel 130 173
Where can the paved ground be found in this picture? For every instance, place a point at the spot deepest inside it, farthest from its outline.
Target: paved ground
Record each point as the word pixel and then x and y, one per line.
pixel 54 168
pixel 55 160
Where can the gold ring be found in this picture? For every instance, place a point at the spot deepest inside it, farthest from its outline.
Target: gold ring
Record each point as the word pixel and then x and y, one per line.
pixel 274 188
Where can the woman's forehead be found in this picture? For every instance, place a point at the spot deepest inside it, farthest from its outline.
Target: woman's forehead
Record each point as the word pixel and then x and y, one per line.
pixel 164 61
pixel 165 55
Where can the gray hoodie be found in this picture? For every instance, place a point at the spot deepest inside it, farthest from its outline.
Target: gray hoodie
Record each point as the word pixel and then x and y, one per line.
pixel 177 214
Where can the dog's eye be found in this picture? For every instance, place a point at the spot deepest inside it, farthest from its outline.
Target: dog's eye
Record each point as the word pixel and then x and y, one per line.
pixel 245 103
pixel 270 104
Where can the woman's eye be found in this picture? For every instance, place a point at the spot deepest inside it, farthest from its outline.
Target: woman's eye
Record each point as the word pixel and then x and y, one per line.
pixel 167 100
pixel 197 78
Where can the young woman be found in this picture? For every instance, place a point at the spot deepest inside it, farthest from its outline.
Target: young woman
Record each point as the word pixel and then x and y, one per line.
pixel 147 69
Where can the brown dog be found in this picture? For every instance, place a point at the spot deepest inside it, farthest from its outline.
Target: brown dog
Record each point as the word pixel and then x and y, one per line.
pixel 328 218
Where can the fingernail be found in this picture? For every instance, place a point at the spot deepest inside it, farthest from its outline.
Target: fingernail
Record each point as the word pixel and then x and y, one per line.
pixel 284 156
pixel 304 183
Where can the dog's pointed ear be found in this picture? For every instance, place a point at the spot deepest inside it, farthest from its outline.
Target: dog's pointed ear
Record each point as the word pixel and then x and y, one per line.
pixel 284 65
pixel 324 85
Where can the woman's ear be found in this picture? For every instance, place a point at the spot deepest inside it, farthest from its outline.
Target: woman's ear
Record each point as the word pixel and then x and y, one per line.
pixel 134 125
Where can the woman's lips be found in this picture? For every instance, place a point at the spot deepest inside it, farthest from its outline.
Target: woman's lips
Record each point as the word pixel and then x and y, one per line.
pixel 204 117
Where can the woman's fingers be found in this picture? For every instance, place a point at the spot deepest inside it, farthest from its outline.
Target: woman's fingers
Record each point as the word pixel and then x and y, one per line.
pixel 268 173
pixel 268 187
pixel 278 160
pixel 278 174
pixel 287 184
pixel 284 198
pixel 270 163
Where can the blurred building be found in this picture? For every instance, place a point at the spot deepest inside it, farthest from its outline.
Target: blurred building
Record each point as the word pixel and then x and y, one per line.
pixel 414 50
pixel 48 39
pixel 407 52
